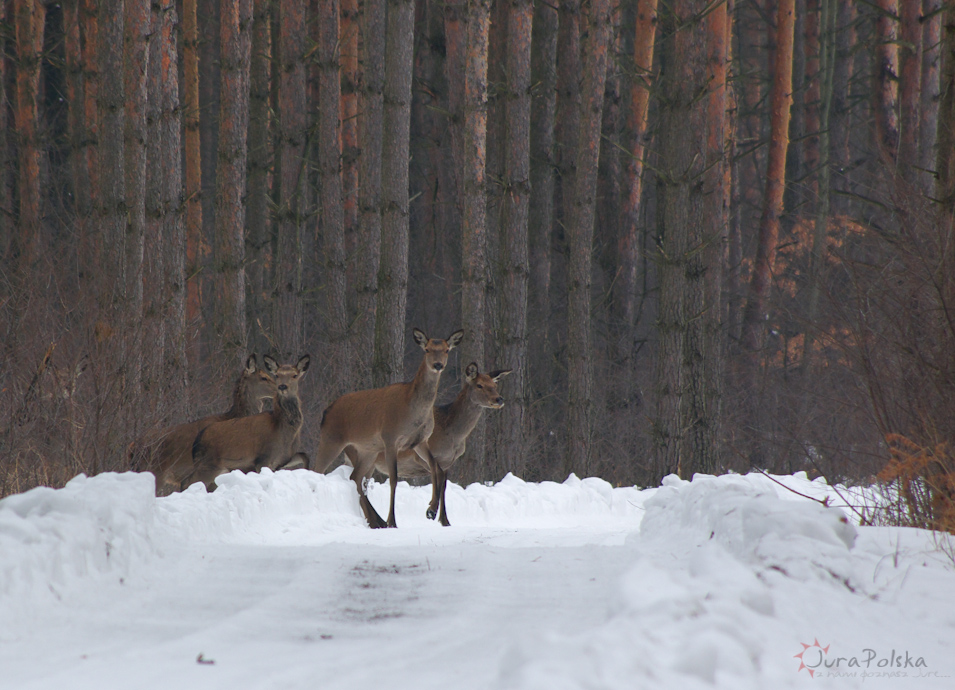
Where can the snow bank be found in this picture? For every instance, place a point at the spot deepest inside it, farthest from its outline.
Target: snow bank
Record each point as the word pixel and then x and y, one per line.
pixel 93 527
pixel 728 568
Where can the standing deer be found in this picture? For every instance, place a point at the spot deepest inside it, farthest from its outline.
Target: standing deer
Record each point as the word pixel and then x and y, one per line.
pixel 169 452
pixel 385 420
pixel 453 423
pixel 267 439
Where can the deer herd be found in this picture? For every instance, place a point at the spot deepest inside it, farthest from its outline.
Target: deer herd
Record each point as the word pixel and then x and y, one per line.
pixel 397 430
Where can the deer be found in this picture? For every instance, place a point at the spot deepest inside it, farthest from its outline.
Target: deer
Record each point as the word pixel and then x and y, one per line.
pixel 453 423
pixel 385 421
pixel 169 451
pixel 267 439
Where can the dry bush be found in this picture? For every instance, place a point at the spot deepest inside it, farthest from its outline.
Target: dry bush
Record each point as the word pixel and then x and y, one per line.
pixel 921 478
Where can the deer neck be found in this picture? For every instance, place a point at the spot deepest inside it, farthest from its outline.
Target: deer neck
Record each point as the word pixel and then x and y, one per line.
pixel 287 411
pixel 463 415
pixel 424 387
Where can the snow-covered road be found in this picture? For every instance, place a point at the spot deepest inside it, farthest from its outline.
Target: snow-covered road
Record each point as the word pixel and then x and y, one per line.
pixel 273 581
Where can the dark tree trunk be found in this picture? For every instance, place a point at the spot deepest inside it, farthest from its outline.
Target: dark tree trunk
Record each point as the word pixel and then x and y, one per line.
pixel 390 333
pixel 331 210
pixel 370 141
pixel 288 301
pixel 235 30
pixel 580 231
pixel 257 221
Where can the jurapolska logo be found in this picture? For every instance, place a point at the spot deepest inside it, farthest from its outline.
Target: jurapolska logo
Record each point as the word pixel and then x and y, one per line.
pixel 815 659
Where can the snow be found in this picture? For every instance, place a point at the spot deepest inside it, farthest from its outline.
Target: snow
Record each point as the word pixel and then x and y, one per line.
pixel 275 581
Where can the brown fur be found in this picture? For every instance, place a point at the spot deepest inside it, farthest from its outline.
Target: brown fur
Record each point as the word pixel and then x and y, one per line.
pixel 453 423
pixel 168 453
pixel 268 439
pixel 385 421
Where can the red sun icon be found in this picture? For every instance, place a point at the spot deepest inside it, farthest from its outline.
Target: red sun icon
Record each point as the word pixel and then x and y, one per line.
pixel 817 659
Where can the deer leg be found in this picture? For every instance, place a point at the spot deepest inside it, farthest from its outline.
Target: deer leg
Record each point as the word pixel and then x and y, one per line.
pixel 425 456
pixel 443 481
pixel 326 454
pixel 360 473
pixel 391 460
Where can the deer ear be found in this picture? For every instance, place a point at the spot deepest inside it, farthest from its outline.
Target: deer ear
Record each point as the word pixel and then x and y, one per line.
pixel 498 375
pixel 250 365
pixel 270 364
pixel 302 365
pixel 419 337
pixel 455 339
pixel 471 371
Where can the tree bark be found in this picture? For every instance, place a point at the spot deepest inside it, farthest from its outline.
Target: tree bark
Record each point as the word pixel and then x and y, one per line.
pixel 928 107
pixel 887 78
pixel 79 168
pixel 543 180
pixel 235 30
pixel 580 230
pixel 370 141
pixel 910 66
pixel 136 57
pixel 331 213
pixel 390 334
pixel 350 31
pixel 174 229
pixel 29 20
pixel 629 242
pixel 682 136
pixel 258 233
pixel 192 161
pixel 756 312
pixel 514 240
pixel 112 116
pixel 945 145
pixel 569 70
pixel 288 301
pixel 840 108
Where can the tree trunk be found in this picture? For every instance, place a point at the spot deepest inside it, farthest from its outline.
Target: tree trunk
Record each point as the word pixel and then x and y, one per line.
pixel 628 244
pixel 350 30
pixel 910 65
pixel 706 367
pixel 945 145
pixel 154 253
pixel 112 115
pixel 756 312
pixel 887 78
pixel 235 30
pixel 390 334
pixel 79 168
pixel 840 109
pixel 288 302
pixel 331 213
pixel 193 162
pixel 257 221
pixel 580 230
pixel 29 19
pixel 370 138
pixel 928 107
pixel 174 229
pixel 569 70
pixel 543 179
pixel 683 135
pixel 514 238
pixel 136 49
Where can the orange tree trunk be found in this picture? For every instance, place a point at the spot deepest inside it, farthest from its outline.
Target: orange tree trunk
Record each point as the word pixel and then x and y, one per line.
pixel 755 314
pixel 628 245
pixel 910 66
pixel 234 60
pixel 887 78
pixel 928 108
pixel 193 157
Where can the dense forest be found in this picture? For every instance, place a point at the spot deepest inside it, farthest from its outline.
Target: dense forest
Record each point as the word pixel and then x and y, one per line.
pixel 705 236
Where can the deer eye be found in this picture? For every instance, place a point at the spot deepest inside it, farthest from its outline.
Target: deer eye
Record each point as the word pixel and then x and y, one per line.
pixel 480 387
